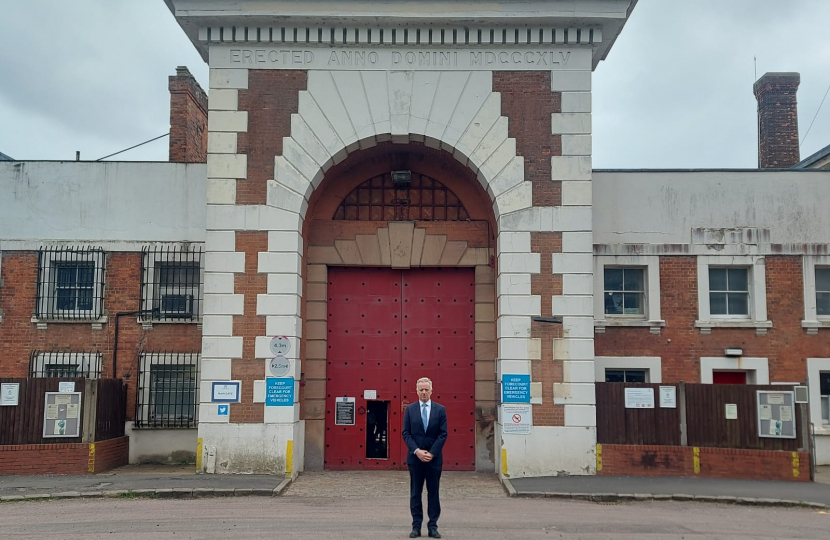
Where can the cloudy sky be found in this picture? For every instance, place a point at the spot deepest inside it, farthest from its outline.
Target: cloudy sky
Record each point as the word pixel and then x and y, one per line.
pixel 676 90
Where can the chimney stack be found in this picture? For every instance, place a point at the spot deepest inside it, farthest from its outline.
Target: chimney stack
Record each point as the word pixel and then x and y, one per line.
pixel 777 120
pixel 188 118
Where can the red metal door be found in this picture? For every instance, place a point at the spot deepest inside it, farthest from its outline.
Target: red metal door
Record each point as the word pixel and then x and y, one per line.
pixel 729 377
pixel 439 343
pixel 386 329
pixel 364 324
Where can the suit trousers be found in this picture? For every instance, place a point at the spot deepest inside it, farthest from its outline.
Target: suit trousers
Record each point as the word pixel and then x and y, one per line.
pixel 418 474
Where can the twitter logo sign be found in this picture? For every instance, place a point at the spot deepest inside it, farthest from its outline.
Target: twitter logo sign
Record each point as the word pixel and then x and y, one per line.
pixel 223 410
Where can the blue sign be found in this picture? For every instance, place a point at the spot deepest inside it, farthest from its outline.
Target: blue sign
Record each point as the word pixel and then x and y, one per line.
pixel 222 410
pixel 515 388
pixel 279 392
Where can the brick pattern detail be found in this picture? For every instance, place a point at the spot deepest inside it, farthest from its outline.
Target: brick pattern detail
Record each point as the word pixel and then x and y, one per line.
pixel 250 325
pixel 72 458
pixel 121 293
pixel 546 284
pixel 272 97
pixel 528 103
pixel 777 120
pixel 188 119
pixel 681 345
pixel 620 459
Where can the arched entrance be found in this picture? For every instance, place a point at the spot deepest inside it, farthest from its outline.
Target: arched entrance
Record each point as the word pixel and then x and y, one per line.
pixel 400 285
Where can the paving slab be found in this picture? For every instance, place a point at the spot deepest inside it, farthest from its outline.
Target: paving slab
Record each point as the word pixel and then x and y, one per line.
pixel 685 489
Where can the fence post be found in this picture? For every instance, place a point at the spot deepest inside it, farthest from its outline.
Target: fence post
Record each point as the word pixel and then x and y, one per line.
pixel 681 399
pixel 90 410
pixel 805 444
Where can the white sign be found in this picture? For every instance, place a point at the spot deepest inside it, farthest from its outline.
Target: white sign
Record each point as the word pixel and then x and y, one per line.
pixel 280 345
pixel 279 366
pixel 668 397
pixel 370 394
pixel 517 419
pixel 300 56
pixel 639 398
pixel 225 391
pixel 9 393
pixel 731 411
pixel 66 387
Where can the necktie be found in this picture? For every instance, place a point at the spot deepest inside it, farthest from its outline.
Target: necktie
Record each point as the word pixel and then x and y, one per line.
pixel 424 417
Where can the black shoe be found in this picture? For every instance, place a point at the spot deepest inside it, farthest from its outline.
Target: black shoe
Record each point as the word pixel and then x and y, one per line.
pixel 433 533
pixel 415 533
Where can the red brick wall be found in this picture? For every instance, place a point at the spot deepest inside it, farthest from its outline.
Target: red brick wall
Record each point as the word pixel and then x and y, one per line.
pixel 20 335
pixel 249 326
pixel 271 98
pixel 73 458
pixel 777 120
pixel 619 459
pixel 111 454
pixel 528 103
pixel 188 119
pixel 681 345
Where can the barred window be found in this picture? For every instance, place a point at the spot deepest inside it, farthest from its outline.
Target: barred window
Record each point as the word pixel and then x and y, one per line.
pixel 167 390
pixel 65 364
pixel 171 283
pixel 70 283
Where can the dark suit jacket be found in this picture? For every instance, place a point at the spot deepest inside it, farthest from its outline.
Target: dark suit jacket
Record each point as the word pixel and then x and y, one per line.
pixel 432 440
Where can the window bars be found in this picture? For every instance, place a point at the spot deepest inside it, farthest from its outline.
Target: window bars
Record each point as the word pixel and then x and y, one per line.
pixel 379 199
pixel 171 283
pixel 70 283
pixel 65 364
pixel 167 390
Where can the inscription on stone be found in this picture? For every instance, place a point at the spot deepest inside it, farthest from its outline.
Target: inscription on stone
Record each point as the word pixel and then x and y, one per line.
pixel 391 59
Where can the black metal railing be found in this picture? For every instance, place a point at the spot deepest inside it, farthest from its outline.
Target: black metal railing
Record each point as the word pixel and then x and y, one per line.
pixel 65 364
pixel 167 392
pixel 70 283
pixel 171 283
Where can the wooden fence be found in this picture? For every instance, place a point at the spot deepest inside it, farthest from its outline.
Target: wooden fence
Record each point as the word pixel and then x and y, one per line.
pixel 706 423
pixel 23 423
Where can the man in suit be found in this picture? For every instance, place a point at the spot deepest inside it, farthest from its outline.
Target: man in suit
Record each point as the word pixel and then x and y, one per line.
pixel 424 431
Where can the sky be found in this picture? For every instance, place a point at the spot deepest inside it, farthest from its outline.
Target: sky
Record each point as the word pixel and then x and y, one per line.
pixel 674 92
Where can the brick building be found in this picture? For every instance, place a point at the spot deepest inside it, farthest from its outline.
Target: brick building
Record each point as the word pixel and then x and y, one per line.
pixel 404 200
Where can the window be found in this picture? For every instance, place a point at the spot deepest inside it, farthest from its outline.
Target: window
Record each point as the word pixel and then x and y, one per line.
pixel 633 369
pixel 171 284
pixel 70 284
pixel 729 291
pixel 824 388
pixel 732 370
pixel 823 291
pixel 624 291
pixel 167 391
pixel 732 293
pixel 626 375
pixel 65 364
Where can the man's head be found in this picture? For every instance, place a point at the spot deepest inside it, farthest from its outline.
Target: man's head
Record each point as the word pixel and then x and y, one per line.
pixel 424 389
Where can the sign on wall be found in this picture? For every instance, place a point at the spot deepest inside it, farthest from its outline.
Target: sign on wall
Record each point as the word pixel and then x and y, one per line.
pixel 517 419
pixel 515 388
pixel 668 397
pixel 776 414
pixel 344 411
pixel 62 414
pixel 279 366
pixel 279 392
pixel 225 391
pixel 639 398
pixel 9 394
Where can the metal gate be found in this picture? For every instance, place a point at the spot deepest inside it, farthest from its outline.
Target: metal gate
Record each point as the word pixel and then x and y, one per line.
pixel 386 329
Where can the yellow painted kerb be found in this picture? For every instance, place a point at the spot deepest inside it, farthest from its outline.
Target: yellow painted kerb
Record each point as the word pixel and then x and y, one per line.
pixel 289 457
pixel 697 459
pixel 90 462
pixel 599 457
pixel 796 463
pixel 504 461
pixel 199 454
